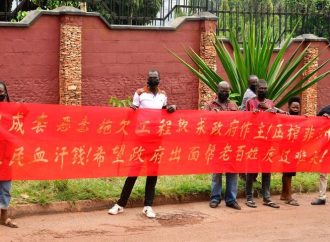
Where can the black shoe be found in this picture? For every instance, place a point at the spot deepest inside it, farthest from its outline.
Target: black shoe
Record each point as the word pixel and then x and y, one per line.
pixel 214 204
pixel 234 205
pixel 318 201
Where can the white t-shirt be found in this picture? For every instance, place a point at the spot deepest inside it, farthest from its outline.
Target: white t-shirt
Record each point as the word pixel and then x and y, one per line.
pixel 247 95
pixel 143 98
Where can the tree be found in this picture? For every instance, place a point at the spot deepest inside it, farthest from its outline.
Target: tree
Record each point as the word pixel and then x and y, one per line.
pixel 115 11
pixel 136 12
pixel 282 78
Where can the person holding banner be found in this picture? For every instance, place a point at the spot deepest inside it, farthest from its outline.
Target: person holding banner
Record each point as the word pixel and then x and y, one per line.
pixel 257 104
pixel 250 92
pixel 286 195
pixel 321 200
pixel 5 186
pixel 149 97
pixel 224 104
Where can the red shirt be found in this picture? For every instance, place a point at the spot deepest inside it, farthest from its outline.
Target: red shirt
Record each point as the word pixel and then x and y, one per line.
pixel 253 104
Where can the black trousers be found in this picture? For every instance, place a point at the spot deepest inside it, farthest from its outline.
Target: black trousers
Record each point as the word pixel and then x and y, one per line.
pixel 128 187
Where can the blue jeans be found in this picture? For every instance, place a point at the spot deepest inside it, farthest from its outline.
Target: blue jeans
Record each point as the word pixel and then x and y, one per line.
pixel 231 188
pixel 265 185
pixel 5 187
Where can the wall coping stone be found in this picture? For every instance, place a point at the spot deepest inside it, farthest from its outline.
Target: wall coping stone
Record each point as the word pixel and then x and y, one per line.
pixel 32 16
pixel 175 24
pixel 299 38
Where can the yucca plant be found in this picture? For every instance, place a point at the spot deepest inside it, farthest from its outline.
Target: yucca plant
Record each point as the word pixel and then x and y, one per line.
pixel 283 78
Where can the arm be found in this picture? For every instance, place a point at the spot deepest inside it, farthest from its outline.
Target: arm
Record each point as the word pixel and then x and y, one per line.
pixel 244 102
pixel 170 108
pixel 136 101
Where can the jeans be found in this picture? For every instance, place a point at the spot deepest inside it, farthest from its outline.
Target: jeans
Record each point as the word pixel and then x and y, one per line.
pixel 231 188
pixel 5 196
pixel 149 190
pixel 265 185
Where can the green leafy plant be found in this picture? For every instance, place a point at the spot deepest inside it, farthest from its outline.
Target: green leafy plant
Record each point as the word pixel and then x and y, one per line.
pixel 20 16
pixel 284 78
pixel 115 102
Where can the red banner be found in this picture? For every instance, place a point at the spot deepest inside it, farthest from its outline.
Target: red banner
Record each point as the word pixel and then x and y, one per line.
pixel 40 141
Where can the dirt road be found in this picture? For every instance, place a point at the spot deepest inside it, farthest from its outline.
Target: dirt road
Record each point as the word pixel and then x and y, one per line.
pixel 182 222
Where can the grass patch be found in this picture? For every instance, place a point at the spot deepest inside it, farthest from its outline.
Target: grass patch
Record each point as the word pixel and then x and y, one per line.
pixel 45 192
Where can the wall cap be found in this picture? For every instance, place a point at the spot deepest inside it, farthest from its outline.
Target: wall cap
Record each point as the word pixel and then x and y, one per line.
pixel 310 38
pixel 33 15
pixel 299 38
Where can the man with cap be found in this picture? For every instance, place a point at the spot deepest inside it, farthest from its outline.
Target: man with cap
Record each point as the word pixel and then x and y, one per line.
pixel 250 92
pixel 148 97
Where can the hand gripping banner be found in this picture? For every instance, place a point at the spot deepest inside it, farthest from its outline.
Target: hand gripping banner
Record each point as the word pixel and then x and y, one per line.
pixel 39 141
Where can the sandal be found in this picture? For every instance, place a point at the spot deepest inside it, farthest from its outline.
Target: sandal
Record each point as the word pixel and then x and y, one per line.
pixel 251 204
pixel 271 204
pixel 292 202
pixel 9 223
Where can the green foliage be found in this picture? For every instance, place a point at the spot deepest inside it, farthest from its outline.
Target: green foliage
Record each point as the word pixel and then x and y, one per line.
pixel 51 4
pixel 20 16
pixel 179 13
pixel 283 78
pixel 115 102
pixel 45 192
pixel 61 185
pixel 136 12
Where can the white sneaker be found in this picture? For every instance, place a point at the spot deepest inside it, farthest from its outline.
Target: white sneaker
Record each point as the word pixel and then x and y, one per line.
pixel 147 210
pixel 116 209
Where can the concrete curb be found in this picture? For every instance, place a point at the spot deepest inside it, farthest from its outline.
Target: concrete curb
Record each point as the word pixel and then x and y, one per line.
pixel 23 210
pixel 93 205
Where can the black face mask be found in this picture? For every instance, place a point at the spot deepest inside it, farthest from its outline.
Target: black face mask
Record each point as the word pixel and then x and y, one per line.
pixel 223 96
pixel 253 88
pixel 2 97
pixel 152 82
pixel 293 113
pixel 262 95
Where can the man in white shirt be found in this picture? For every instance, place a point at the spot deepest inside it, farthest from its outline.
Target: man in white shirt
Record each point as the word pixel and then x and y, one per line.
pixel 250 92
pixel 148 97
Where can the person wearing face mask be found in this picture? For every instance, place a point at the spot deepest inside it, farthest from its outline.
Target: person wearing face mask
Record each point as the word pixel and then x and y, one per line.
pixel 223 104
pixel 5 186
pixel 286 195
pixel 148 97
pixel 250 92
pixel 257 104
